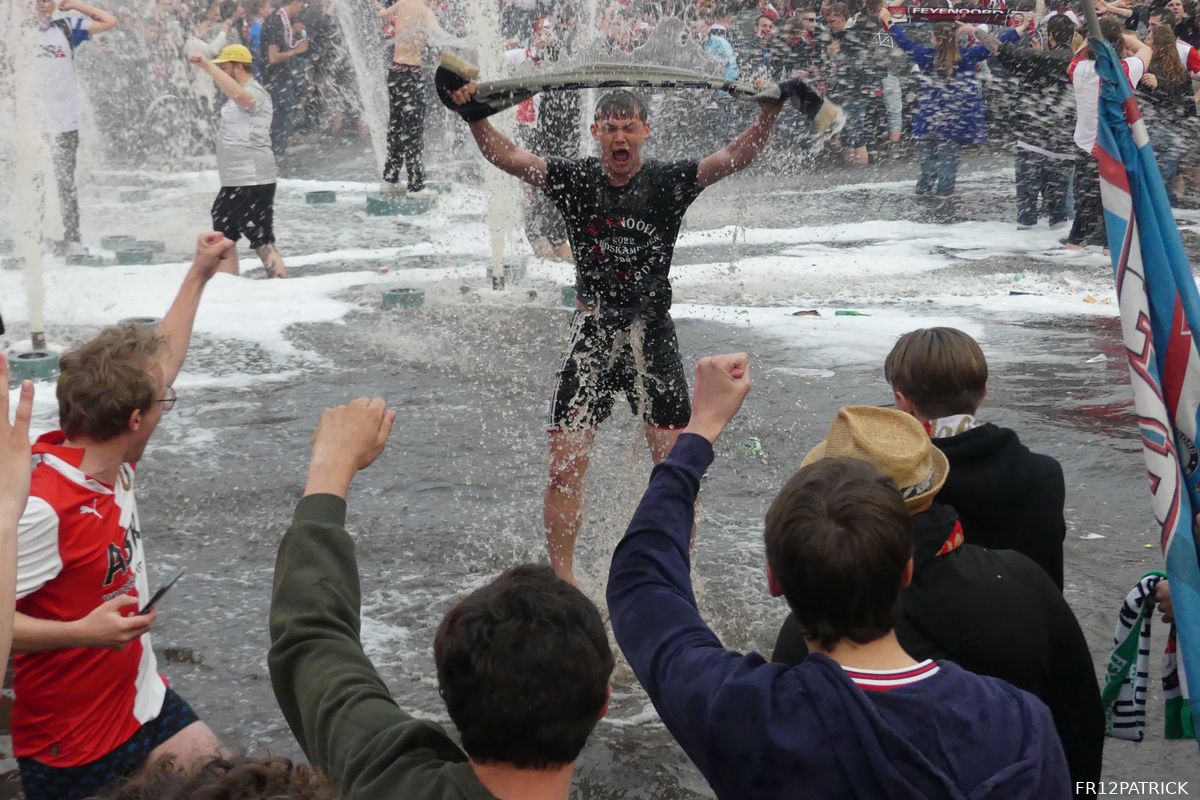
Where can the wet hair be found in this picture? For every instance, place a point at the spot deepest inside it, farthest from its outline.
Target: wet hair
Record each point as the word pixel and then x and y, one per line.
pixel 946 55
pixel 1061 29
pixel 223 778
pixel 838 537
pixel 839 10
pixel 102 382
pixel 523 666
pixel 621 104
pixel 941 370
pixel 1165 58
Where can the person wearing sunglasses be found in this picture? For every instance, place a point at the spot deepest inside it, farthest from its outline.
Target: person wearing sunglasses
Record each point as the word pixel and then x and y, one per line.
pixel 91 704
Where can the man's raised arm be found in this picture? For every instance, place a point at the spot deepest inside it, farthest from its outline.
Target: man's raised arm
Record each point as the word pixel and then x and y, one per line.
pixel 15 467
pixel 101 20
pixel 499 149
pixel 738 154
pixel 211 249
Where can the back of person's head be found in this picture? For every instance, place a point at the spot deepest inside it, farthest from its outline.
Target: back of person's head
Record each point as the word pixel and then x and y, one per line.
pixel 1061 30
pixel 102 382
pixel 1165 17
pixel 224 778
pixel 200 19
pixel 523 666
pixel 838 540
pixel 1112 30
pixel 621 104
pixel 942 371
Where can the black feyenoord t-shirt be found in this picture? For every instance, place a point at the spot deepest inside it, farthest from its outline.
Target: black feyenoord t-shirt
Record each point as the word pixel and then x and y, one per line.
pixel 623 237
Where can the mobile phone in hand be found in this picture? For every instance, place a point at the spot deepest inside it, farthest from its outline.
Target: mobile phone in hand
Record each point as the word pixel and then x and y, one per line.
pixel 161 591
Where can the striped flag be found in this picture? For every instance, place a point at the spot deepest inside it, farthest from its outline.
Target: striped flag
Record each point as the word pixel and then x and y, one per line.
pixel 1160 314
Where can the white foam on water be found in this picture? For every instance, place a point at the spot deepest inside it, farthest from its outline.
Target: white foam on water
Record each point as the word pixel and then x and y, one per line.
pixel 849 340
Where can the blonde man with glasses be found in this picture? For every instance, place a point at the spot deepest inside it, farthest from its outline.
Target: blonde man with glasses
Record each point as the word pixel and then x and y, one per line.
pixel 91 706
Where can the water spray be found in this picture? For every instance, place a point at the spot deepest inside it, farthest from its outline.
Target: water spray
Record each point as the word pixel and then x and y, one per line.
pixel 28 168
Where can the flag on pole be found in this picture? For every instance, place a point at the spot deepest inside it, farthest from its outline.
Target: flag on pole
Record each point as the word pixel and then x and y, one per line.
pixel 1160 315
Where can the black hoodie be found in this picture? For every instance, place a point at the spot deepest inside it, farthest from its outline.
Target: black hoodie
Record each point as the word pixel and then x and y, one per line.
pixel 1008 497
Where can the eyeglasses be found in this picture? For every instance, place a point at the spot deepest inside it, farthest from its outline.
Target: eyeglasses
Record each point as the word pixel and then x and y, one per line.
pixel 168 401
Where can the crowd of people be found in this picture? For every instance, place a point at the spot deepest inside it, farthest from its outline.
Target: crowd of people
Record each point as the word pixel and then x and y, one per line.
pixel 907 87
pixel 929 652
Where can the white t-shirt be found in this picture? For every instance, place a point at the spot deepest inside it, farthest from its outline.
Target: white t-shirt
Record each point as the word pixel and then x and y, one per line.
pixel 244 156
pixel 54 65
pixel 1087 96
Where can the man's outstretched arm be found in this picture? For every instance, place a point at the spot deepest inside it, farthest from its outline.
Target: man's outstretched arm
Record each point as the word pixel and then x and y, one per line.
pixel 499 149
pixel 503 153
pixel 211 249
pixel 738 154
pixel 675 655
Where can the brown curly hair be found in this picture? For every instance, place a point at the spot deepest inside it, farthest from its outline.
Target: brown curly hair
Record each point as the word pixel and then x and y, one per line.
pixel 225 778
pixel 1165 58
pixel 100 383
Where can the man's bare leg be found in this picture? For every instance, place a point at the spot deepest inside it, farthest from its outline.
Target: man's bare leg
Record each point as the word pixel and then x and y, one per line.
pixel 563 510
pixel 661 440
pixel 192 747
pixel 272 261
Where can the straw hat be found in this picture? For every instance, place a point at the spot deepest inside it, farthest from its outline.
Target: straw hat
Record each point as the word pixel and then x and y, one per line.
pixel 894 442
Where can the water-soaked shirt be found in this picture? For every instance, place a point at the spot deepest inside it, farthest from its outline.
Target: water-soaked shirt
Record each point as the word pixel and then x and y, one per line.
pixel 623 237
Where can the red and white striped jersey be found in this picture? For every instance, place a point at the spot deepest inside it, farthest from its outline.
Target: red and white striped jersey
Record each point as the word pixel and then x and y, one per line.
pixel 79 545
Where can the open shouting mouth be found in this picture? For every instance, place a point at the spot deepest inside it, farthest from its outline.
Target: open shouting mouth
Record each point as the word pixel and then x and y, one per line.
pixel 621 155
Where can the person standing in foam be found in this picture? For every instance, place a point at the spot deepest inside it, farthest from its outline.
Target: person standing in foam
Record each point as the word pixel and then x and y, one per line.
pixel 55 41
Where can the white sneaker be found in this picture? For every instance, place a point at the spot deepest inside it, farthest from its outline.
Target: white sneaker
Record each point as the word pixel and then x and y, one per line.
pixel 423 194
pixel 389 189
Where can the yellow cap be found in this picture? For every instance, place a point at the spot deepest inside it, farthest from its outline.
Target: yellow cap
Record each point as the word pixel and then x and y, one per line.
pixel 236 53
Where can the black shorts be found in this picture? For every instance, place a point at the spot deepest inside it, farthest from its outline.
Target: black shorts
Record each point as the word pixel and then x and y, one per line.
pixel 42 782
pixel 641 359
pixel 248 210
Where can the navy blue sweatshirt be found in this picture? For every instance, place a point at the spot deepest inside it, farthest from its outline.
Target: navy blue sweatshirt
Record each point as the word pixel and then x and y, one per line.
pixel 763 730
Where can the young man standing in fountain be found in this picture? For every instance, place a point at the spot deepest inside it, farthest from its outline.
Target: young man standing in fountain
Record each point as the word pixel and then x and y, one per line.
pixel 90 705
pixel 415 25
pixel 55 41
pixel 623 216
pixel 245 161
